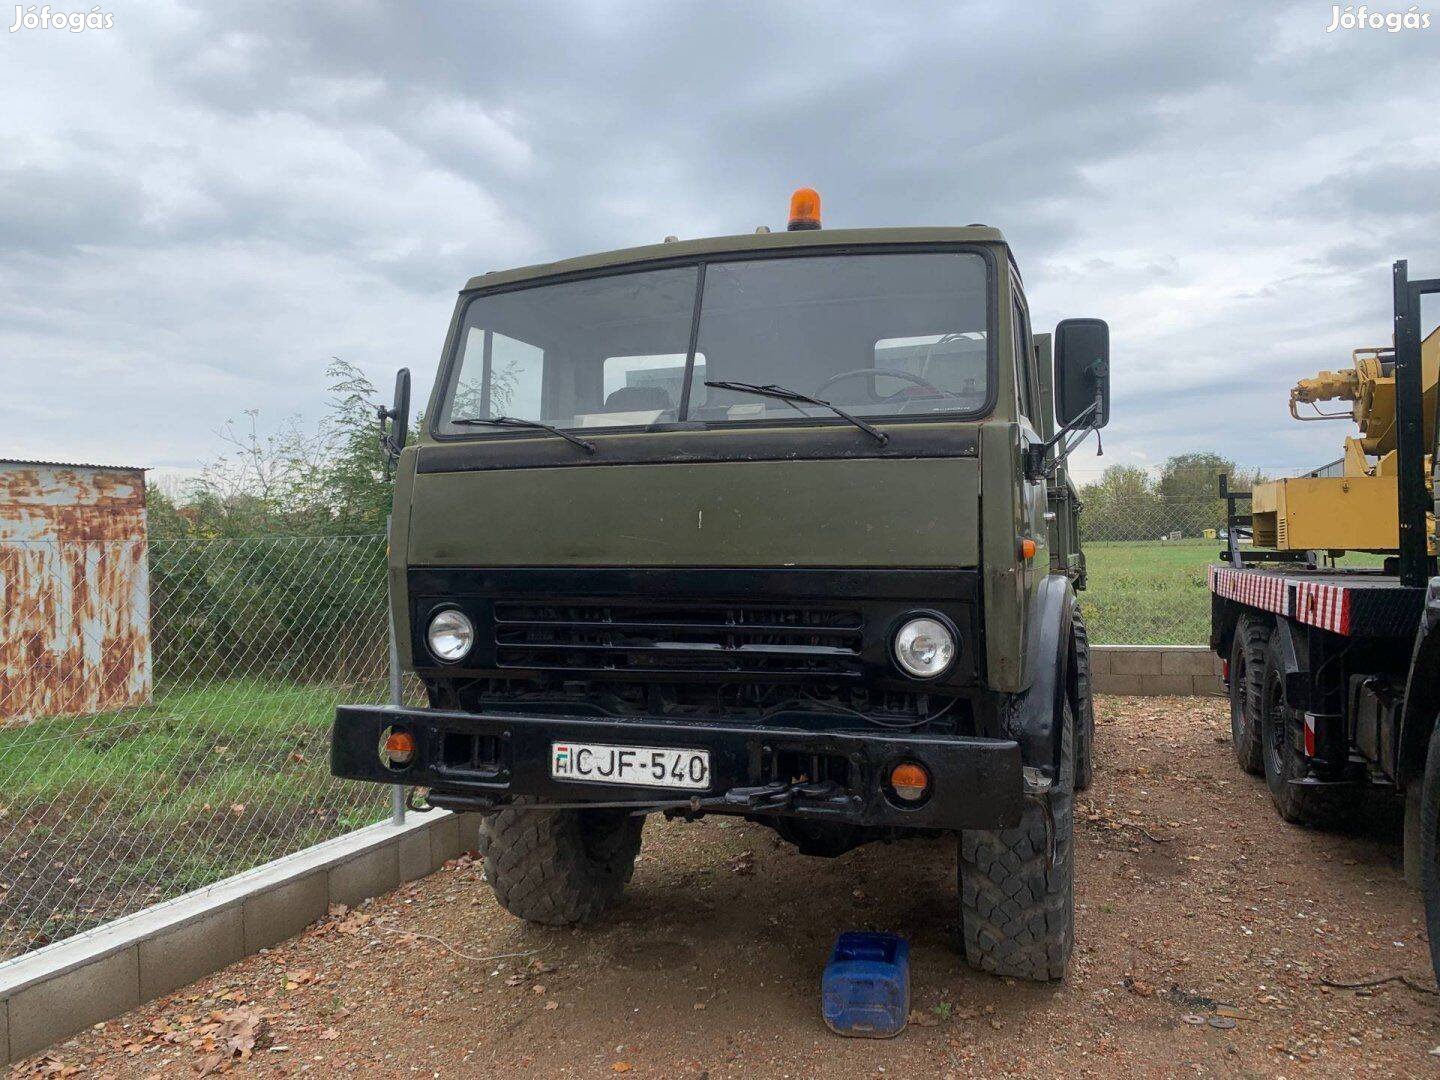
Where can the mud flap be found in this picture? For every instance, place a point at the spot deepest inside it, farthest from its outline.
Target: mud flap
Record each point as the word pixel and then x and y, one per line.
pixel 1047 649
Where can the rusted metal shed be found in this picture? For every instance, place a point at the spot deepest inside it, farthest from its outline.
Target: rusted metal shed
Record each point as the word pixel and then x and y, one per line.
pixel 74 589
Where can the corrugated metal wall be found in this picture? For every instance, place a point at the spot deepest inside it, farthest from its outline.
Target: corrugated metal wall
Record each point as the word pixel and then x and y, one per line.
pixel 74 590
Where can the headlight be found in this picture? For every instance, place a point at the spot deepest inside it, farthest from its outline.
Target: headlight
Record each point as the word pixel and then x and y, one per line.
pixel 450 635
pixel 924 647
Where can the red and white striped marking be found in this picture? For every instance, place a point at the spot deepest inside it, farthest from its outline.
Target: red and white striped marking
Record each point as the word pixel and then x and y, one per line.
pixel 1325 606
pixel 1314 603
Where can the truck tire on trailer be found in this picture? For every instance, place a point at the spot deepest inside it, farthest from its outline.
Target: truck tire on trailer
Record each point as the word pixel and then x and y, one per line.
pixel 1017 907
pixel 1247 672
pixel 1430 846
pixel 1085 704
pixel 1283 754
pixel 559 867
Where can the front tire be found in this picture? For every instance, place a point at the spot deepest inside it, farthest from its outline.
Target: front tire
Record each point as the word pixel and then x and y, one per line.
pixel 1017 904
pixel 559 867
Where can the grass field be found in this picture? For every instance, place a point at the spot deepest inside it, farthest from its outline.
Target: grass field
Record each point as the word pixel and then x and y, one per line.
pixel 1148 593
pixel 104 814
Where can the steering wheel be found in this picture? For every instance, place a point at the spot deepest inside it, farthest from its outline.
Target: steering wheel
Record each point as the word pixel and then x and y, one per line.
pixel 904 376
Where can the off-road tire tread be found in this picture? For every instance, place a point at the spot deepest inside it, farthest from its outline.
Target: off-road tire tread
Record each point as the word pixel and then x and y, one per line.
pixel 559 867
pixel 1085 704
pixel 1017 915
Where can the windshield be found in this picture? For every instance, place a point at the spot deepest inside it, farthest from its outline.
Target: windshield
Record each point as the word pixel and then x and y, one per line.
pixel 881 335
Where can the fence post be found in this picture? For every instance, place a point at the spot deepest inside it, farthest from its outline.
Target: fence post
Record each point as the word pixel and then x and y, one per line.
pixel 397 684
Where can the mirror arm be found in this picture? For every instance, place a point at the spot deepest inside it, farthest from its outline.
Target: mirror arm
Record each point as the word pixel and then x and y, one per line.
pixel 387 439
pixel 1038 460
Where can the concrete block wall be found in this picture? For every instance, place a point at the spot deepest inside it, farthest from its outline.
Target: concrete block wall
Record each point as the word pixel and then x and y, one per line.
pixel 1155 670
pixel 50 994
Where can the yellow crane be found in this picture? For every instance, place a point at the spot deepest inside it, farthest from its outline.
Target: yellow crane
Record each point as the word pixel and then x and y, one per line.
pixel 1352 504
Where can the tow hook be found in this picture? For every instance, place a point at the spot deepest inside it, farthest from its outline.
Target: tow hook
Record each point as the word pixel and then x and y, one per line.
pixel 781 795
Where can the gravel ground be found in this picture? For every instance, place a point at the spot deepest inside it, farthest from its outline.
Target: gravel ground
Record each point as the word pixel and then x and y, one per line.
pixel 1207 933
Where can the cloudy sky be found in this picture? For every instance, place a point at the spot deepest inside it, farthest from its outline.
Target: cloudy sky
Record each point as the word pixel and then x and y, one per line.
pixel 201 205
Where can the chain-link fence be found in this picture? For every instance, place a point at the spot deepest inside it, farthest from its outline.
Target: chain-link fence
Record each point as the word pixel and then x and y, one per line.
pixel 1147 557
pixel 165 716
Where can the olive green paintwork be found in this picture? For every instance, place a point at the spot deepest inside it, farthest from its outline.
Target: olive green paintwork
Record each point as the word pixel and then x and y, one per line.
pixel 863 513
pixel 866 512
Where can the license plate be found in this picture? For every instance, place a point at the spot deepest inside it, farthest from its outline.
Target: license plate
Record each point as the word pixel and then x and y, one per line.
pixel 634 766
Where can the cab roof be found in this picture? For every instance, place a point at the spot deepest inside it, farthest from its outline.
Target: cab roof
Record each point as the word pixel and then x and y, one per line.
pixel 746 242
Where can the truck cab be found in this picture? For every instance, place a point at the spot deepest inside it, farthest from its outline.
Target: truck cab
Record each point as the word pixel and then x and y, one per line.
pixel 773 525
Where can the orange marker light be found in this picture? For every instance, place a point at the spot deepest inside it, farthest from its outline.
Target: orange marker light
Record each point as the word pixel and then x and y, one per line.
pixel 909 781
pixel 1027 549
pixel 399 749
pixel 804 209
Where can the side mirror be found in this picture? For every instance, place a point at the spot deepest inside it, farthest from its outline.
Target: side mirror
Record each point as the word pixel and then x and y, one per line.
pixel 395 421
pixel 1082 373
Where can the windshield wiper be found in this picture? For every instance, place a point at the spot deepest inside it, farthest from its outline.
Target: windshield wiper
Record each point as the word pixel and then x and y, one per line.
pixel 536 425
pixel 792 397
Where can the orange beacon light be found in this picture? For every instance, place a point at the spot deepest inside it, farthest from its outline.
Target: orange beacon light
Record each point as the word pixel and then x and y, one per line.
pixel 804 209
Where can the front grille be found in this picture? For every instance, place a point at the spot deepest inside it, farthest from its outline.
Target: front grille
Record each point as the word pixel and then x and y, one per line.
pixel 678 639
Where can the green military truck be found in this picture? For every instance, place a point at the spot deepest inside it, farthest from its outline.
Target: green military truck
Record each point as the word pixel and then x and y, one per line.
pixel 773 525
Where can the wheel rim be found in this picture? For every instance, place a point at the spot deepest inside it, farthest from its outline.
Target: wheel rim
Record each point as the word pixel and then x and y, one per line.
pixel 1237 697
pixel 1275 729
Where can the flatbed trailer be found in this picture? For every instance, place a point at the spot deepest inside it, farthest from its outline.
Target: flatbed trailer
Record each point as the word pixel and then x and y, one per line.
pixel 1333 673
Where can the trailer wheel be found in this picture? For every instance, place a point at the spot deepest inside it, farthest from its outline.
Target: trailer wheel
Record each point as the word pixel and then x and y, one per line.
pixel 1430 846
pixel 559 867
pixel 1247 671
pixel 1017 905
pixel 1282 751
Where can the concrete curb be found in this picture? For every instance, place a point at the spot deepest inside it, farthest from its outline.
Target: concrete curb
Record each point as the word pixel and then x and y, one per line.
pixel 51 993
pixel 1155 670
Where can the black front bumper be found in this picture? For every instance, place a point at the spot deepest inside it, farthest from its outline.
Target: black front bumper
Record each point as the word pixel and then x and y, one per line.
pixel 976 783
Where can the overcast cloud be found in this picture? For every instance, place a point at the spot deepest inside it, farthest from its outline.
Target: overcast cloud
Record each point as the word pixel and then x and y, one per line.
pixel 201 205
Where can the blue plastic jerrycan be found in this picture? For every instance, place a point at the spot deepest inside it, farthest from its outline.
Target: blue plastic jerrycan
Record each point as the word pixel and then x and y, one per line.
pixel 865 991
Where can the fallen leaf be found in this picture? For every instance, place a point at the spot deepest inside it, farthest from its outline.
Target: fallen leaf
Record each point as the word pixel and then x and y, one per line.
pixel 744 863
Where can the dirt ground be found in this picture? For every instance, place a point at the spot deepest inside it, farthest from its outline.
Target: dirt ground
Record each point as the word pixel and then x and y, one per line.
pixel 1207 931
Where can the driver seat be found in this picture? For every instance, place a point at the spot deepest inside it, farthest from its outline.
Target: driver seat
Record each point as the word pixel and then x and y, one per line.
pixel 638 399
